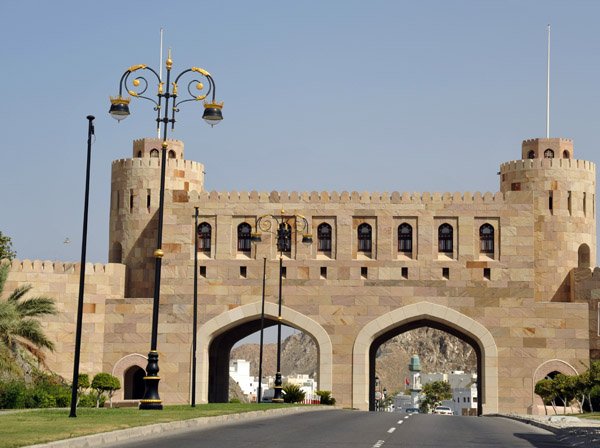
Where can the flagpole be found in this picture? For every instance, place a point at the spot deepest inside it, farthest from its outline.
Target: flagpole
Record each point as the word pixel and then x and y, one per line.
pixel 548 90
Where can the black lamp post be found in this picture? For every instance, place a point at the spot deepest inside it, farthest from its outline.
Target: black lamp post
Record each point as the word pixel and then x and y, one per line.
pixel 167 102
pixel 284 244
pixel 75 384
pixel 195 323
pixel 262 331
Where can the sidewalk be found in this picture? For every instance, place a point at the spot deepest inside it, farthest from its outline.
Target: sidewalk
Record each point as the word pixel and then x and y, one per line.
pixel 572 430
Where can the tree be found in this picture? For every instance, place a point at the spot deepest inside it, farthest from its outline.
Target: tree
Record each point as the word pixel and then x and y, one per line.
pixel 293 394
pixel 19 328
pixel 435 393
pixel 105 382
pixel 6 248
pixel 546 392
pixel 83 383
pixel 563 387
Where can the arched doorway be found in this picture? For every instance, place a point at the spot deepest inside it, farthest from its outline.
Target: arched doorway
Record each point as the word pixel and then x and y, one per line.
pixel 377 342
pixel 548 370
pixel 133 383
pixel 217 336
pixel 417 315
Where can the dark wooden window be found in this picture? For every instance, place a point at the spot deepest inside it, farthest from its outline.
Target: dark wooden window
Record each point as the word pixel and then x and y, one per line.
pixel 405 234
pixel 486 239
pixel 204 234
pixel 324 237
pixel 531 154
pixel 364 238
pixel 445 239
pixel 549 154
pixel 244 235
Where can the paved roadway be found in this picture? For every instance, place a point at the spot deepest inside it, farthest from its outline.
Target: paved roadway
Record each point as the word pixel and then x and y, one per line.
pixel 337 428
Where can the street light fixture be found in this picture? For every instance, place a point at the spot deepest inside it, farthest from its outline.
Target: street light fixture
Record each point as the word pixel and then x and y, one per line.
pixel 119 110
pixel 284 244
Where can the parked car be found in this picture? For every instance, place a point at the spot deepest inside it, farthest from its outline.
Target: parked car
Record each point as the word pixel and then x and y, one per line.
pixel 442 410
pixel 412 411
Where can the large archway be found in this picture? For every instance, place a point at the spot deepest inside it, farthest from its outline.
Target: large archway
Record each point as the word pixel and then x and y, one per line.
pixel 418 315
pixel 217 336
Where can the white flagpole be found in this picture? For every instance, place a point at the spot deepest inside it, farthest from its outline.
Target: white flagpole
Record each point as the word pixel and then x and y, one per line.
pixel 160 65
pixel 548 90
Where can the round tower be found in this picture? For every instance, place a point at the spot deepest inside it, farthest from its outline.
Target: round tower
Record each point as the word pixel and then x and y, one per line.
pixel 135 189
pixel 564 191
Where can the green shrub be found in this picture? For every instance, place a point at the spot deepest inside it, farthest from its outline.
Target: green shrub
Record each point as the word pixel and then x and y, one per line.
pixel 234 400
pixel 326 397
pixel 89 400
pixel 39 398
pixel 292 394
pixel 63 401
pixel 105 382
pixel 12 394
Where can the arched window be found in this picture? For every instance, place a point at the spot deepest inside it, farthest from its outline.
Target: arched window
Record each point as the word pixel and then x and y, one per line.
pixel 565 154
pixel 204 234
pixel 486 239
pixel 364 238
pixel 171 154
pixel 548 154
pixel 531 154
pixel 583 256
pixel 244 234
pixel 324 238
pixel 139 154
pixel 404 238
pixel 154 153
pixel 445 239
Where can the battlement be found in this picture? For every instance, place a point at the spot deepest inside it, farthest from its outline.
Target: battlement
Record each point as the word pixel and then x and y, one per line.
pixel 155 163
pixel 532 164
pixel 531 140
pixel 59 267
pixel 335 197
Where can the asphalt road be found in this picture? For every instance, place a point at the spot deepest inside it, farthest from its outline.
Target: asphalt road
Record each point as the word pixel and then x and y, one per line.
pixel 338 428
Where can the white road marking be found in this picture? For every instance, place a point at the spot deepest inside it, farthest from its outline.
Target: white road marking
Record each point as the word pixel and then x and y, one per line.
pixel 405 417
pixel 400 422
pixel 391 430
pixel 378 444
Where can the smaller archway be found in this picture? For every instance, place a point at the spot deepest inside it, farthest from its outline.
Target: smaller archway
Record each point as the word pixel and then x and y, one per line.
pixel 133 383
pixel 583 256
pixel 547 370
pixel 129 365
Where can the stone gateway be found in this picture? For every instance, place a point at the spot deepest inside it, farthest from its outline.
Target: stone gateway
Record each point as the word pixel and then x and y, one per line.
pixel 510 273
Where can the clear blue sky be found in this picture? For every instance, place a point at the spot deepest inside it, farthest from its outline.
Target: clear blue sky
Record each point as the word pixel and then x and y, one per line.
pixel 379 95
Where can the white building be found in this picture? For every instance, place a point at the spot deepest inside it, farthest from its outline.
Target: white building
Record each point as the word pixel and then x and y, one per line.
pixel 464 398
pixel 239 370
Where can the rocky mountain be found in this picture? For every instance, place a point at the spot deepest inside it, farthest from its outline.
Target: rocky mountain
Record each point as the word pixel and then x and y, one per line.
pixel 437 350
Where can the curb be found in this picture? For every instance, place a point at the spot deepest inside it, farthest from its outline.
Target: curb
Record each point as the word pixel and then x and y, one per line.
pixel 123 435
pixel 574 435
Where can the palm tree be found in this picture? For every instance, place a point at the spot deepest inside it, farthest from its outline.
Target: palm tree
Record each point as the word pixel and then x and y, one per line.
pixel 19 328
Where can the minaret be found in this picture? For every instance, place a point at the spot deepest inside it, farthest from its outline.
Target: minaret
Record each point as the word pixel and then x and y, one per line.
pixel 415 380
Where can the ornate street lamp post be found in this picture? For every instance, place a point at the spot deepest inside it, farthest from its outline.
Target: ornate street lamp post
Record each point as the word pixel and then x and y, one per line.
pixel 284 244
pixel 167 103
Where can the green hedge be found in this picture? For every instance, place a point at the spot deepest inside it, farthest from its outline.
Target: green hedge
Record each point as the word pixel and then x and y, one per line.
pixel 44 391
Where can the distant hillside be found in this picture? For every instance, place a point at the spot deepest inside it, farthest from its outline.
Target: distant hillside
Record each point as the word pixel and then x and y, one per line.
pixel 438 351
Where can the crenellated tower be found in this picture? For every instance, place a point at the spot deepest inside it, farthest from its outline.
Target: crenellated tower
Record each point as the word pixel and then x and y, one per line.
pixel 135 187
pixel 564 191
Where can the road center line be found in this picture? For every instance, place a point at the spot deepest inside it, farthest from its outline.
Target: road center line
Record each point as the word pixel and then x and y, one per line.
pixel 391 430
pixel 378 444
pixel 400 422
pixel 405 417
